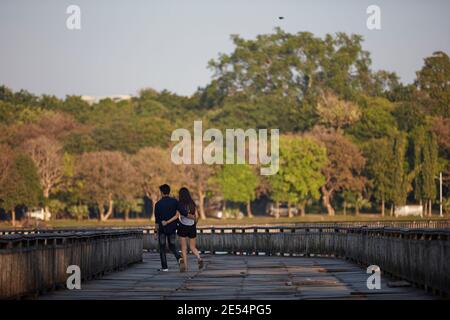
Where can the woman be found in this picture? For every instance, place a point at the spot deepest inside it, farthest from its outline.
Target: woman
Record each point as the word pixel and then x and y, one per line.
pixel 187 229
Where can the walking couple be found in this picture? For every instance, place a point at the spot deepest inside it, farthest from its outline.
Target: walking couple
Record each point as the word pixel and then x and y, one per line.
pixel 176 216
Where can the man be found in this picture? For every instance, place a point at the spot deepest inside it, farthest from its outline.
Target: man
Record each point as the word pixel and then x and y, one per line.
pixel 165 209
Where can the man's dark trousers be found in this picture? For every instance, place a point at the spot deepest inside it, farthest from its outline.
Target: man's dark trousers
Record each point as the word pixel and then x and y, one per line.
pixel 170 240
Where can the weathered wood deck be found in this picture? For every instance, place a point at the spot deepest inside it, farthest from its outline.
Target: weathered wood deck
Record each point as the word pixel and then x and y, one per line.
pixel 240 277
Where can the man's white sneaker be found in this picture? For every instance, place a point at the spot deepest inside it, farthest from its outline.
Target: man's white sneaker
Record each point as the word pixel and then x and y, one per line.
pixel 163 270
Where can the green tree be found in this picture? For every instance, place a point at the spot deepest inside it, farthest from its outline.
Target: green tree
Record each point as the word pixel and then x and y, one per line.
pixel 282 191
pixel 400 183
pixel 49 102
pixel 434 80
pixel 354 200
pixel 426 166
pixel 56 207
pixel 6 94
pixel 21 186
pixel 129 205
pixel 117 127
pixel 238 183
pixel 78 211
pixel 8 112
pixel 379 157
pixel 441 128
pixel 291 69
pixel 26 98
pixel 299 177
pixel 384 84
pixel 409 115
pixel 376 120
pixel 77 107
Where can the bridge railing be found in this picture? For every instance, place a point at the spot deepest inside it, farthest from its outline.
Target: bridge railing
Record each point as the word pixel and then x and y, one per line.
pixel 418 255
pixel 33 263
pixel 425 224
pixel 421 256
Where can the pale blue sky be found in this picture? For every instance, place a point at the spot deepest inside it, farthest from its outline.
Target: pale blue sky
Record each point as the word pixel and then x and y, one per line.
pixel 124 46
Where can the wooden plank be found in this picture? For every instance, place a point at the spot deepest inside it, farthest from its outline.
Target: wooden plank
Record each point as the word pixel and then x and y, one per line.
pixel 240 277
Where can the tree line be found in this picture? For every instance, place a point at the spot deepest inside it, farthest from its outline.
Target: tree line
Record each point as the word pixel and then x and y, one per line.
pixel 351 137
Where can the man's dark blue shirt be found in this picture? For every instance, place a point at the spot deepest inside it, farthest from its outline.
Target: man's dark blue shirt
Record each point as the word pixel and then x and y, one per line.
pixel 165 209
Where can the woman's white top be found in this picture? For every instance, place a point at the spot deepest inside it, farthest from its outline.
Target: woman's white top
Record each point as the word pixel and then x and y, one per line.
pixel 186 221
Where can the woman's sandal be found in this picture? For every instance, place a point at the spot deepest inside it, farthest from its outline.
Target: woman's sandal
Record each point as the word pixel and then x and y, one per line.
pixel 182 265
pixel 200 264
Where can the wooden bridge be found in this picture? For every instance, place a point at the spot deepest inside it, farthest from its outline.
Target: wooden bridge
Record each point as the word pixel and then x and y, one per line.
pixel 258 262
pixel 242 277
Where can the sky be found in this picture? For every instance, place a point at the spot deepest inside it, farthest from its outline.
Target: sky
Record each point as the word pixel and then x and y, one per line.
pixel 124 46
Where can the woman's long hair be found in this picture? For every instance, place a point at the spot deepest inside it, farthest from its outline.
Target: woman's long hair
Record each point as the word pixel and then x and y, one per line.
pixel 184 196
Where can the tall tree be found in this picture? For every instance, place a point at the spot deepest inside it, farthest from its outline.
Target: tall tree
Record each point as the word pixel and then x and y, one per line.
pixel 47 156
pixel 441 128
pixel 426 166
pixel 402 176
pixel 344 167
pixel 379 160
pixel 291 69
pixel 430 170
pixel 434 80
